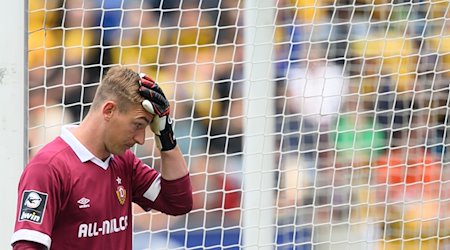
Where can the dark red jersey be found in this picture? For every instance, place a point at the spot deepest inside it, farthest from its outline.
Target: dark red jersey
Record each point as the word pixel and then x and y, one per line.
pixel 69 199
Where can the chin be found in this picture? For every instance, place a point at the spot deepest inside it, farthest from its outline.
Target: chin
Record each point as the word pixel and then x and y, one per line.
pixel 119 152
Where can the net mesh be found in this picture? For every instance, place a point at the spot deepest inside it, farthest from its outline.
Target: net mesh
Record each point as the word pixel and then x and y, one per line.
pixel 360 112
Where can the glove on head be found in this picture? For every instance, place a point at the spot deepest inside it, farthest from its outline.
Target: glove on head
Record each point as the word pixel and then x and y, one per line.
pixel 157 104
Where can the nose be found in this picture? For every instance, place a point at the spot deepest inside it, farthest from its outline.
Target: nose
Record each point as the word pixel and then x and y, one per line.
pixel 139 137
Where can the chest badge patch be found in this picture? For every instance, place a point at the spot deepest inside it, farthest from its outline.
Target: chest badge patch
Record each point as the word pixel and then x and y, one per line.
pixel 121 194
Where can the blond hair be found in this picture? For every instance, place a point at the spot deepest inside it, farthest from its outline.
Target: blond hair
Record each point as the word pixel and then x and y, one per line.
pixel 121 85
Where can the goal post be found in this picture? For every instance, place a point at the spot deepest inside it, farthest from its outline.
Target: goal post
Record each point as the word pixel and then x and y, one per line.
pixel 13 93
pixel 259 169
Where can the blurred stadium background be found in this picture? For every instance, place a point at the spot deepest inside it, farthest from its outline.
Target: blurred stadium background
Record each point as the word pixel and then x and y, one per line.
pixel 306 124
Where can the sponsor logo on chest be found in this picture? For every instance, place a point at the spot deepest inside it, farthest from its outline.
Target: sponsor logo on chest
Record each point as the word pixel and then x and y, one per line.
pixel 93 229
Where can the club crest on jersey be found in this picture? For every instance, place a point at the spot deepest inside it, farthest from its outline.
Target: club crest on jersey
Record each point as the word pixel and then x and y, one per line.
pixel 33 206
pixel 121 194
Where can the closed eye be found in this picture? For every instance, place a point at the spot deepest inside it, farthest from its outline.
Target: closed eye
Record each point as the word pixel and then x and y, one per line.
pixel 139 125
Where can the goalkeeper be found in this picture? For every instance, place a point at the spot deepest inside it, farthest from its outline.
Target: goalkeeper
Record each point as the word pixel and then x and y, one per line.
pixel 77 192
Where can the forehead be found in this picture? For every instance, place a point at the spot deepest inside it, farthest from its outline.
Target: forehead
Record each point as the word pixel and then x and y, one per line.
pixel 136 111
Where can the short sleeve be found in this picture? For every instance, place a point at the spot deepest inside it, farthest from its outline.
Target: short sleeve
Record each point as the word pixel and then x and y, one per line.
pixel 38 199
pixel 151 191
pixel 146 184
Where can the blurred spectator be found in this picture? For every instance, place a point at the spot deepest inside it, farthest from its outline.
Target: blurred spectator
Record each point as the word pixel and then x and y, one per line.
pixel 310 102
pixel 406 182
pixel 359 138
pixel 137 37
pixel 298 24
pixel 217 192
pixel 62 43
pixel 46 117
pixel 46 113
pixel 314 95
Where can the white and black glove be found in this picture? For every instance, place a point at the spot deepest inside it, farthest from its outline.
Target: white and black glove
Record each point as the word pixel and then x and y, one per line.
pixel 157 104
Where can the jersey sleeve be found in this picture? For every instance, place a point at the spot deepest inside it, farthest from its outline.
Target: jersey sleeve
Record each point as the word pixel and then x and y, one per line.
pixel 27 245
pixel 151 191
pixel 38 198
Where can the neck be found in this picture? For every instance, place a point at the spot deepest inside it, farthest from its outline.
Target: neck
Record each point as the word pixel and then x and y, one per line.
pixel 89 133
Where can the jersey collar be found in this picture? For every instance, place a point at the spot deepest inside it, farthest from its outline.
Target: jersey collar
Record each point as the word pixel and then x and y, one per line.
pixel 80 150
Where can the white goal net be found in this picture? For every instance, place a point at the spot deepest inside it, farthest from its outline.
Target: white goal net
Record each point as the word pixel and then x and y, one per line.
pixel 305 124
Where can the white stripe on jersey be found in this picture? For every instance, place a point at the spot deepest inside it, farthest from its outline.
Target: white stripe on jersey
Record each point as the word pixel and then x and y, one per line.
pixel 32 235
pixel 154 189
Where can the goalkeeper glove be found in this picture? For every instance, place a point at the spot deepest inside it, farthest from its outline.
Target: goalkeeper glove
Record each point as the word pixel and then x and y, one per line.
pixel 157 104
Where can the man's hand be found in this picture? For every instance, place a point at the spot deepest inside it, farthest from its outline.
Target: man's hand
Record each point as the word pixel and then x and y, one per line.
pixel 157 104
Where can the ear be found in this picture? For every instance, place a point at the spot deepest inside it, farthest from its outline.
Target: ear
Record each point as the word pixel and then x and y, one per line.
pixel 108 109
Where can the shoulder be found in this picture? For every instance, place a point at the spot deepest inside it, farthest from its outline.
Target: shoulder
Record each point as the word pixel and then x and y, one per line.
pixel 53 156
pixel 54 149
